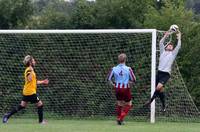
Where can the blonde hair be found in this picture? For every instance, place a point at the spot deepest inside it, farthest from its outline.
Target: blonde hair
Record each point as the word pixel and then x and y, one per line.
pixel 27 60
pixel 122 58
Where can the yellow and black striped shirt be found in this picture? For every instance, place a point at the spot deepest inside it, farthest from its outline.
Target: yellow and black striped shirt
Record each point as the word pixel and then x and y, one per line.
pixel 30 87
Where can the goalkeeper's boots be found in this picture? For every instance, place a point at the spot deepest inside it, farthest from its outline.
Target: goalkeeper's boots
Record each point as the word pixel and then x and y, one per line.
pixel 5 118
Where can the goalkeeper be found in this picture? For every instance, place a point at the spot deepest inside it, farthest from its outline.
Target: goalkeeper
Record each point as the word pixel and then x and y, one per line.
pixel 29 91
pixel 124 78
pixel 167 56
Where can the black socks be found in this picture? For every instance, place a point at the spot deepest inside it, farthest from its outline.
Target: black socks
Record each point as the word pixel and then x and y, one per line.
pixel 19 107
pixel 162 99
pixel 40 113
pixel 156 93
pixel 161 96
pixel 15 110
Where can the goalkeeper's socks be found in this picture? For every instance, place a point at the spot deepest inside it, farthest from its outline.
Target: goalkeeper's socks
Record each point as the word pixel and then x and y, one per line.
pixel 14 110
pixel 162 99
pixel 156 93
pixel 125 112
pixel 118 110
pixel 40 113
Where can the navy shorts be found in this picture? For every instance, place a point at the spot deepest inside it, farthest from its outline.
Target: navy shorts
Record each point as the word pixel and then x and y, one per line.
pixel 162 77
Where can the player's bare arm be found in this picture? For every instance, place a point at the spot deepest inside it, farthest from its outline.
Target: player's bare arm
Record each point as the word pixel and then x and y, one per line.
pixel 45 81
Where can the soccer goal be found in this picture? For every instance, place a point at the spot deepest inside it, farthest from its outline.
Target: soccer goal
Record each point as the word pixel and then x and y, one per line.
pixel 76 63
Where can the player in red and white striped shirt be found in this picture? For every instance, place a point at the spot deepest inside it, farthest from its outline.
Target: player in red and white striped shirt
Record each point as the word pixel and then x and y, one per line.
pixel 123 80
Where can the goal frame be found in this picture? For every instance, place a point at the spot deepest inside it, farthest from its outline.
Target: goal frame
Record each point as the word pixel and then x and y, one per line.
pixel 153 48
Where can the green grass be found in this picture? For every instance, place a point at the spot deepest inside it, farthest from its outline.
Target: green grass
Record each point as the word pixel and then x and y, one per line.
pixel 30 125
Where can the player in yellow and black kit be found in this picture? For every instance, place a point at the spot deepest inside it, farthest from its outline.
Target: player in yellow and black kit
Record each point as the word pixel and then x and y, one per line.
pixel 29 91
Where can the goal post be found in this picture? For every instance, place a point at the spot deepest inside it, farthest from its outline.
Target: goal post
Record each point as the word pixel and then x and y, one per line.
pixel 153 74
pixel 76 63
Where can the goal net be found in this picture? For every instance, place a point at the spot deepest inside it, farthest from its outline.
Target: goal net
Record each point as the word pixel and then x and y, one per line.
pixel 77 62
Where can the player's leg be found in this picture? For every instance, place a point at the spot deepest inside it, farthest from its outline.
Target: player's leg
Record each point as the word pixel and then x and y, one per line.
pixel 21 106
pixel 119 107
pixel 119 104
pixel 162 99
pixel 39 105
pixel 40 111
pixel 126 108
pixel 127 104
pixel 160 93
pixel 156 93
pixel 163 80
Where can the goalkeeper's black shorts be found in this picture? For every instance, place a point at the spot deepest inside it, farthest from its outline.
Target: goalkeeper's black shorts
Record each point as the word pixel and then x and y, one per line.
pixel 162 77
pixel 31 98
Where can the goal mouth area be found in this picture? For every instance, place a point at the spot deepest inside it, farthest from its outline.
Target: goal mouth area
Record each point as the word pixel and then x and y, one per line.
pixel 77 62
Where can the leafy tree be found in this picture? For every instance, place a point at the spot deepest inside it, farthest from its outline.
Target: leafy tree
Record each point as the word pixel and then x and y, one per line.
pixel 121 13
pixel 14 13
pixel 108 14
pixel 50 19
pixel 171 12
pixel 82 15
pixel 50 14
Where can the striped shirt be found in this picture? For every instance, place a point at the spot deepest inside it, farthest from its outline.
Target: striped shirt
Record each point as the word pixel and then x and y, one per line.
pixel 167 57
pixel 122 74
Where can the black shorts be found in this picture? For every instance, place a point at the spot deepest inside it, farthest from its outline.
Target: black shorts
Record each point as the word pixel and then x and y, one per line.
pixel 31 98
pixel 162 77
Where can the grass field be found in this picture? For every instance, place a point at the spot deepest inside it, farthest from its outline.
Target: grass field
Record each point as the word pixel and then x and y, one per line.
pixel 30 125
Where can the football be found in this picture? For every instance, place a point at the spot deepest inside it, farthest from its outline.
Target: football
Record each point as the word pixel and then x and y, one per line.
pixel 173 28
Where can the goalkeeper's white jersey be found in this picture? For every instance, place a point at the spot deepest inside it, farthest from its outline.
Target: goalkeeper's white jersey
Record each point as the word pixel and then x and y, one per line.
pixel 167 57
